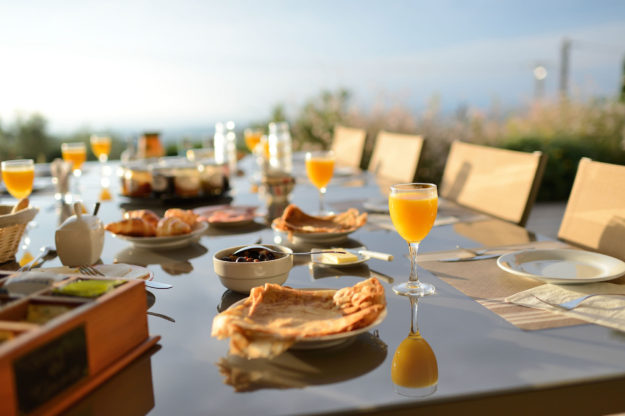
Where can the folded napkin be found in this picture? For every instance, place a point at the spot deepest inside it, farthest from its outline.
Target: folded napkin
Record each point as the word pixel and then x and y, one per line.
pixel 602 310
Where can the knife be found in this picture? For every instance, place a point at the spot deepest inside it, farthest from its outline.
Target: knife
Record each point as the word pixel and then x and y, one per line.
pixel 374 254
pixel 459 259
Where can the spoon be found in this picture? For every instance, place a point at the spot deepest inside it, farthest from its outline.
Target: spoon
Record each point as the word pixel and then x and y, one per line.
pixel 45 253
pixel 259 247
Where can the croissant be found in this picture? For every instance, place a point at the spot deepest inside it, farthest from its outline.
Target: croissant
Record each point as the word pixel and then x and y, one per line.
pixel 145 214
pixel 186 215
pixel 21 204
pixel 171 226
pixel 132 226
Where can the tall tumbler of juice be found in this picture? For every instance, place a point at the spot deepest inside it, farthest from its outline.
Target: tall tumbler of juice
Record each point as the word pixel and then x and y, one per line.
pixel 320 169
pixel 413 208
pixel 18 177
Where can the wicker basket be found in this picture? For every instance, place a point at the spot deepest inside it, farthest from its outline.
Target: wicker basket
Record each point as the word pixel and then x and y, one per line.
pixel 11 229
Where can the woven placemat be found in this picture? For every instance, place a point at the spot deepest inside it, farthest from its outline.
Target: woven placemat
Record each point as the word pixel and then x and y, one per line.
pixel 487 284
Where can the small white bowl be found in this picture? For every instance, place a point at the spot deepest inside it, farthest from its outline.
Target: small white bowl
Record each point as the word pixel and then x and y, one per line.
pixel 242 277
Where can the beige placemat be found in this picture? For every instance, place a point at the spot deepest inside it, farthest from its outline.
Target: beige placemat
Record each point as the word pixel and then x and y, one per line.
pixel 488 285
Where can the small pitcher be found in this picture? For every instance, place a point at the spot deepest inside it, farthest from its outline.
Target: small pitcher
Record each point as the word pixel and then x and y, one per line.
pixel 80 239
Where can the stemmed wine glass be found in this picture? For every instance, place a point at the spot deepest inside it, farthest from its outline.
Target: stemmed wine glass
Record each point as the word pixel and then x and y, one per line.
pixel 101 148
pixel 320 168
pixel 76 154
pixel 414 370
pixel 18 176
pixel 413 209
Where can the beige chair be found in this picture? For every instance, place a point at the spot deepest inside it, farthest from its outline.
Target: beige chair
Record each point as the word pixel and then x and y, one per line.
pixel 348 145
pixel 595 213
pixel 395 157
pixel 502 183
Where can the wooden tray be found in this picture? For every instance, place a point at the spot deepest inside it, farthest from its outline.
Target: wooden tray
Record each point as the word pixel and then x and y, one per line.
pixel 46 367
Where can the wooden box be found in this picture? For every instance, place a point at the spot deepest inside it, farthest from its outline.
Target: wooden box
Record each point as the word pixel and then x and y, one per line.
pixel 46 367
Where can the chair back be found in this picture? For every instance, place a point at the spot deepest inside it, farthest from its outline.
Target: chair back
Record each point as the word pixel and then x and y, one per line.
pixel 499 182
pixel 348 145
pixel 395 157
pixel 594 217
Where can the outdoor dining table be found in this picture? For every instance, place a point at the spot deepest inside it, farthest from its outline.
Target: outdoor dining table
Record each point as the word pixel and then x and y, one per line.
pixel 485 362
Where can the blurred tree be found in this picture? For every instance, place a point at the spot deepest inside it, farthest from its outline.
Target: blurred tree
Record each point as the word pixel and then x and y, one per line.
pixel 622 95
pixel 27 138
pixel 315 122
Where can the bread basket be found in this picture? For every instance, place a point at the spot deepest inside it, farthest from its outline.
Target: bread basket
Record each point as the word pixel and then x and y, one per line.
pixel 11 229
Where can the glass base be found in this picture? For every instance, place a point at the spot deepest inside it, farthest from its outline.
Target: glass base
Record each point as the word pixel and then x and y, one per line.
pixel 414 289
pixel 416 391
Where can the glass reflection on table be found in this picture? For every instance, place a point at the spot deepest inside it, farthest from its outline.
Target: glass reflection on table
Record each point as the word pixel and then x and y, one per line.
pixel 414 370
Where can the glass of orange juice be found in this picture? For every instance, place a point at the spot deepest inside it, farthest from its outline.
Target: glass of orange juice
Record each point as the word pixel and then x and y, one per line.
pixel 252 138
pixel 101 147
pixel 18 176
pixel 414 370
pixel 320 169
pixel 413 208
pixel 76 154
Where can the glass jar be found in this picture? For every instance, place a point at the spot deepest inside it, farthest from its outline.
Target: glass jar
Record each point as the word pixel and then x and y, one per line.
pixel 280 147
pixel 149 146
pixel 136 180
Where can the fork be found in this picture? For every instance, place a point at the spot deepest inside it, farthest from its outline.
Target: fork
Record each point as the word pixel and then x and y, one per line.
pixel 92 271
pixel 574 303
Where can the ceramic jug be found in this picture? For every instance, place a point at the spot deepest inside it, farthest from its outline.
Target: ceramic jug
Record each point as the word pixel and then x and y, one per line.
pixel 80 239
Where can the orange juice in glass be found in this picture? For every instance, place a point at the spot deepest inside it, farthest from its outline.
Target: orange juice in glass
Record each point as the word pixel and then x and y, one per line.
pixel 76 154
pixel 252 138
pixel 413 208
pixel 18 176
pixel 414 370
pixel 101 147
pixel 320 169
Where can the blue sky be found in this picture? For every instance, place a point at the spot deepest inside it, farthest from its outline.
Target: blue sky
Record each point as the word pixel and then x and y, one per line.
pixel 160 64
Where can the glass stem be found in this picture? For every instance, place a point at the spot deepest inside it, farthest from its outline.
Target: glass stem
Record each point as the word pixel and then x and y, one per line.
pixel 414 324
pixel 322 191
pixel 413 247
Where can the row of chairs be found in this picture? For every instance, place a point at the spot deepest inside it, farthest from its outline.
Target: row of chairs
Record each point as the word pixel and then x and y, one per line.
pixel 502 183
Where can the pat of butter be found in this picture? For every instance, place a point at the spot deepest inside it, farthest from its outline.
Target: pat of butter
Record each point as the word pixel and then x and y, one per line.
pixel 338 258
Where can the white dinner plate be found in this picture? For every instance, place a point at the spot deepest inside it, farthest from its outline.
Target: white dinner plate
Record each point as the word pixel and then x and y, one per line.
pixel 376 205
pixel 246 215
pixel 562 266
pixel 331 340
pixel 317 237
pixel 317 257
pixel 174 241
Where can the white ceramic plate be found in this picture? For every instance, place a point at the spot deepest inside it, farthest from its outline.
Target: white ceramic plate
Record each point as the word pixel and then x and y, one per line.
pixel 562 266
pixel 376 205
pixel 167 242
pixel 123 271
pixel 318 237
pixel 316 257
pixel 246 213
pixel 332 340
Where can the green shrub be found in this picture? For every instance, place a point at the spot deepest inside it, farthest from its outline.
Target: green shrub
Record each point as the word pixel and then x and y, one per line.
pixel 563 155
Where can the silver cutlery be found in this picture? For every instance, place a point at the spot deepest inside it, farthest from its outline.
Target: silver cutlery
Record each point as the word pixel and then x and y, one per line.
pixel 92 271
pixel 259 247
pixel 574 303
pixel 45 251
pixel 461 259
